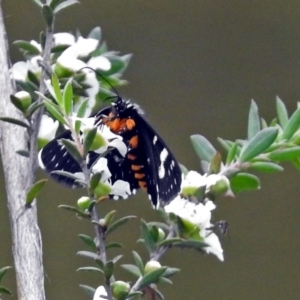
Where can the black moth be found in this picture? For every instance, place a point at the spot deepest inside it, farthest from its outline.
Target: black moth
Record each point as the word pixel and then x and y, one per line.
pixel 148 163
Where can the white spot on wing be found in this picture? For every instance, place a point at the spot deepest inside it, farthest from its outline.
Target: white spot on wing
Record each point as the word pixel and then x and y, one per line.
pixel 154 140
pixel 161 169
pixel 53 158
pixel 40 160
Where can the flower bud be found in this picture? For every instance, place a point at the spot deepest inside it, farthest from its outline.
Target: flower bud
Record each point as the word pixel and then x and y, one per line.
pixel 25 99
pixel 152 265
pixel 83 202
pixel 47 131
pixel 161 234
pixel 102 222
pixel 218 184
pixel 120 289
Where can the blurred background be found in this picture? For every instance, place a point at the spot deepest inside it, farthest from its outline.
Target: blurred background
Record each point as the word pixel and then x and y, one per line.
pixel 196 65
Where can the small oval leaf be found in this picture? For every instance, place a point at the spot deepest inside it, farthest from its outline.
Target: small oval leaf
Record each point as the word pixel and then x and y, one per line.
pixel 258 144
pixel 34 191
pixel 285 154
pixel 244 182
pixel 292 125
pixel 282 113
pixel 203 147
pixel 253 121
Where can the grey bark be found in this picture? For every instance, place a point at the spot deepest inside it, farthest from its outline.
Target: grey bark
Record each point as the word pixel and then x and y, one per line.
pixel 19 175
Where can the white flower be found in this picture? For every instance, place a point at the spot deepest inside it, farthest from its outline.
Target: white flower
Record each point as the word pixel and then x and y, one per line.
pixel 85 46
pixel 200 215
pixel 48 128
pixel 101 167
pixel 99 63
pixel 194 179
pixel 214 245
pixel 63 38
pixel 216 180
pixel 100 293
pixel 36 45
pixel 91 80
pixel 69 60
pixel 20 69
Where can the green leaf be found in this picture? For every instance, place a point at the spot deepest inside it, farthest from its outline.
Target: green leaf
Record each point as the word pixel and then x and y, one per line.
pixel 88 290
pixel 133 294
pixel 81 113
pixel 282 113
pixel 72 149
pixel 113 245
pixel 89 139
pixel 34 79
pixel 263 123
pixel 88 254
pixel 244 182
pixel 68 98
pixel 119 223
pixel 138 261
pixel 170 242
pixel 292 125
pixel 258 144
pixel 76 210
pixel 183 169
pixel 56 89
pixel 3 271
pixel 232 153
pixel 54 3
pixel 296 163
pixel 48 15
pixel 34 191
pixel 54 111
pixel 253 121
pixel 215 164
pixel 225 144
pixel 95 34
pixel 192 244
pixel 117 258
pixel 89 269
pixel 88 241
pixel 285 154
pixel 164 280
pixel 152 276
pixel 64 5
pixel 148 237
pixel 109 268
pixel 17 103
pixel 4 290
pixel 66 174
pixel 24 153
pixel 161 225
pixel 109 217
pixel 203 148
pixel 14 121
pixel 28 47
pixel 33 107
pixel 170 272
pixel 132 269
pixel 267 167
pixel 100 263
